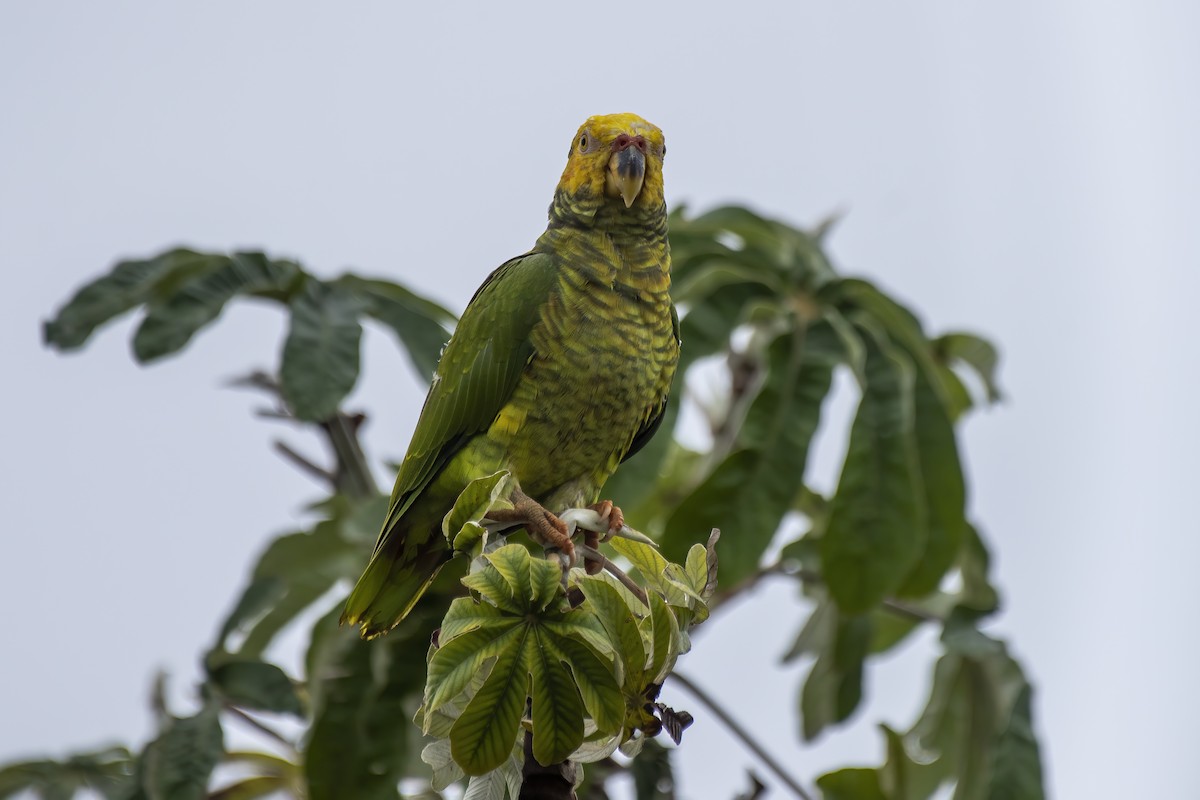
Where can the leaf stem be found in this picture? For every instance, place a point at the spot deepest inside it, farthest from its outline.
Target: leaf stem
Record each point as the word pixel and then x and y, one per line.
pixel 742 734
pixel 592 554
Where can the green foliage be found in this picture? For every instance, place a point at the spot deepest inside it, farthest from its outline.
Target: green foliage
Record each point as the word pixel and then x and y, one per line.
pixel 583 667
pixel 578 667
pixel 183 291
pixel 320 355
pixel 108 771
pixel 177 765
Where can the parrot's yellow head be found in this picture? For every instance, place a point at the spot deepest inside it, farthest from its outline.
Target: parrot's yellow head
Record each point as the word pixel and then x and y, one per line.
pixel 616 157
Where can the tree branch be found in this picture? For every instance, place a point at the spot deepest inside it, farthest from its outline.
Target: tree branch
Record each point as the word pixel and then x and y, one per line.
pixel 553 782
pixel 353 474
pixel 742 734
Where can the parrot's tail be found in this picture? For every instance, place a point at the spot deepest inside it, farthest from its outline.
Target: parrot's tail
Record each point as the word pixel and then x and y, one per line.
pixel 389 589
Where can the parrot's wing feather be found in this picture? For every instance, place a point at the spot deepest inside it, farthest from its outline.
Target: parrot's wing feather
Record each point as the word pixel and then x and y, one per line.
pixel 477 373
pixel 652 423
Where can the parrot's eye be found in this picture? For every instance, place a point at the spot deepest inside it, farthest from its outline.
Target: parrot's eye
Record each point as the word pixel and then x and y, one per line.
pixel 584 141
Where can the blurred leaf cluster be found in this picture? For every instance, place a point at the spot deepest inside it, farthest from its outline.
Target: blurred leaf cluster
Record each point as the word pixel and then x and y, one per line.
pixel 771 332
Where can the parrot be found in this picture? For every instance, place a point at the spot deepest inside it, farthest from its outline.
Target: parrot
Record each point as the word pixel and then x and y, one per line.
pixel 558 370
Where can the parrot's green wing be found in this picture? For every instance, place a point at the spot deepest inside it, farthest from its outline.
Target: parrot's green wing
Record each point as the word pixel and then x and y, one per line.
pixel 477 373
pixel 476 376
pixel 652 423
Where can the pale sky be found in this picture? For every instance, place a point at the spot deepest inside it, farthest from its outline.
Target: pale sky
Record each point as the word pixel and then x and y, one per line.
pixel 1027 170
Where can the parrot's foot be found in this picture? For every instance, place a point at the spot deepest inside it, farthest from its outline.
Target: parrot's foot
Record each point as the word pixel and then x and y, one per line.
pixel 545 528
pixel 611 516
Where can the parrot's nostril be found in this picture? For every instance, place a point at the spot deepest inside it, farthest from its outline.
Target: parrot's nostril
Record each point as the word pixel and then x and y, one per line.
pixel 624 141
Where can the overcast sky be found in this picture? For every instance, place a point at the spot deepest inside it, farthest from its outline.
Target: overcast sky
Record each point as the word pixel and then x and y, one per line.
pixel 1028 170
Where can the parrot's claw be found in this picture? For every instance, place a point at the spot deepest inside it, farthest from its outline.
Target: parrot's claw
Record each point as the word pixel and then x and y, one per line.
pixel 545 528
pixel 611 516
pixel 590 520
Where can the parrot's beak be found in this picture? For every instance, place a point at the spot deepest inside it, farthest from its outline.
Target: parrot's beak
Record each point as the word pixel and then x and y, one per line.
pixel 626 171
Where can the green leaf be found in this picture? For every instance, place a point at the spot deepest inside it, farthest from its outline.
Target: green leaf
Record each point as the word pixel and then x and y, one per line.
pixel 293 572
pixel 696 567
pixel 128 285
pixel 583 625
pixel 420 324
pixel 653 778
pixel 853 349
pixel 172 320
pixel 180 761
pixel 445 772
pixel 465 615
pixel 851 784
pixel 618 619
pixel 664 639
pixel 259 596
pixel 362 696
pixel 321 352
pixel 877 521
pixel 522 648
pixel 739 234
pixel 707 325
pixel 958 399
pixel 506 579
pixel 978 720
pixel 748 493
pixel 928 732
pixel 252 788
pixel 889 628
pixel 489 786
pixel 472 505
pixel 109 771
pixel 833 688
pixel 1017 764
pixel 557 707
pixel 484 733
pixel 255 685
pixel 943 487
pixel 705 277
pixel 597 685
pixel 458 660
pixel 978 594
pixel 490 583
pixel 977 353
pixel 817 635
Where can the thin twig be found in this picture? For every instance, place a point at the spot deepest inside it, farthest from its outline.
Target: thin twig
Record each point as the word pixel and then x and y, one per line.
pixel 752 580
pixel 303 464
pixel 592 554
pixel 898 607
pixel 353 474
pixel 915 613
pixel 742 734
pixel 261 727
